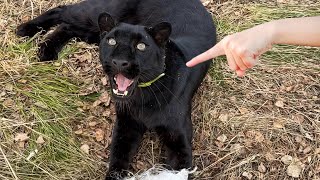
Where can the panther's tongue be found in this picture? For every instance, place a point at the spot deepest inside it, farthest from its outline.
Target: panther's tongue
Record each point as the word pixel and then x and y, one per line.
pixel 122 82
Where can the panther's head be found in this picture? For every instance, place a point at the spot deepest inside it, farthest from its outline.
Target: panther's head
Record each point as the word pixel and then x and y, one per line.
pixel 131 54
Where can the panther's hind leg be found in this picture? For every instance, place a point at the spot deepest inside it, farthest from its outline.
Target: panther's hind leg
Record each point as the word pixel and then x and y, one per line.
pixel 43 22
pixel 55 41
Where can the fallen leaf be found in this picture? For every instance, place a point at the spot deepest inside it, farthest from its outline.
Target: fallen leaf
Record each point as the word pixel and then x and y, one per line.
pixel 140 165
pixel 104 81
pixel 113 118
pixel 273 169
pixel 256 135
pixel 259 137
pixel 88 57
pixel 85 148
pixel 92 123
pixel 250 134
pixel 298 118
pixel 279 104
pixel 293 171
pixel 303 143
pixel 286 159
pixel 222 138
pixel 223 117
pixel 3 93
pixel 219 144
pixel 23 81
pixel 295 168
pixel 289 88
pixel 40 140
pixel 309 159
pixel 278 124
pixel 233 98
pixel 244 110
pixel 262 168
pixel 282 1
pixel 235 147
pixel 96 103
pixel 99 135
pixel 21 137
pixel 300 149
pixel 247 175
pixel 205 3
pixel 79 131
pixel 8 102
pixel 104 97
pixel 106 113
pixel 21 144
pixel 80 110
pixel 8 87
pixel 298 139
pixel 57 64
pixel 307 150
pixel 317 151
pixel 269 157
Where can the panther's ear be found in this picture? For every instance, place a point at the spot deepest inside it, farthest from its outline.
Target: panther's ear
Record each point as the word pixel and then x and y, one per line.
pixel 106 22
pixel 160 32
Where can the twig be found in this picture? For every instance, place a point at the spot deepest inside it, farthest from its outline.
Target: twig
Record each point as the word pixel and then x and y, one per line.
pixel 5 158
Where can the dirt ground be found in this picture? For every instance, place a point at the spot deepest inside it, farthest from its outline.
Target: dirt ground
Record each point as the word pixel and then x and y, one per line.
pixel 56 118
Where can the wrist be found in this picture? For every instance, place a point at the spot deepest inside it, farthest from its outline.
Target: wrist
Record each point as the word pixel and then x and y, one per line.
pixel 273 34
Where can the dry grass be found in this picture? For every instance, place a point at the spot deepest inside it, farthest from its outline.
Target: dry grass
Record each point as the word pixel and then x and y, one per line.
pixel 272 112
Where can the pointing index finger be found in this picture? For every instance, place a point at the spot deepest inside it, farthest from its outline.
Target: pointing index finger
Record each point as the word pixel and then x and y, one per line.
pixel 215 51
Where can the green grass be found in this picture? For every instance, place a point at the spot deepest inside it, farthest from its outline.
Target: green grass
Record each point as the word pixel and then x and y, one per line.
pixel 47 105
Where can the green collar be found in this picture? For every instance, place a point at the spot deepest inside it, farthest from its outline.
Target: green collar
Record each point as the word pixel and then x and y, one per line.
pixel 146 84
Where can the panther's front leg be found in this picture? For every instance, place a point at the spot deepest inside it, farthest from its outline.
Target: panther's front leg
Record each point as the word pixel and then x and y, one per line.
pixel 176 135
pixel 127 135
pixel 53 44
pixel 178 147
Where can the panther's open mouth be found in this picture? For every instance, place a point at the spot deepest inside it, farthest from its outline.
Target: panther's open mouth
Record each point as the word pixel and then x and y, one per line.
pixel 122 85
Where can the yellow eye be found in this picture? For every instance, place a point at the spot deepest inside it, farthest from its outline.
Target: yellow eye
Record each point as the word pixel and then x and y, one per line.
pixel 141 46
pixel 112 41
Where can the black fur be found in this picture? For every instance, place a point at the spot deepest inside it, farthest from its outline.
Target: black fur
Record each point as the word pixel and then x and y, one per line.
pixel 173 31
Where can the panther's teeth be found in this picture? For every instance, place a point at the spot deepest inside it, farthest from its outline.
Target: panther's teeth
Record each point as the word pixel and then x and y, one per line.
pixel 115 78
pixel 116 91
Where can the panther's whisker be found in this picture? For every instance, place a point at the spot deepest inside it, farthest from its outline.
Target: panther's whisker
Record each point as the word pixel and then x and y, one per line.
pixel 170 91
pixel 159 90
pixel 155 96
pixel 142 95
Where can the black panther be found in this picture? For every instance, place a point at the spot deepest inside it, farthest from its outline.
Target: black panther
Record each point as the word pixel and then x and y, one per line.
pixel 143 46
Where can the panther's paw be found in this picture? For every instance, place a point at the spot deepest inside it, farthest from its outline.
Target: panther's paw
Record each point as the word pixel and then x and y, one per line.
pixel 47 53
pixel 115 175
pixel 27 29
pixel 111 178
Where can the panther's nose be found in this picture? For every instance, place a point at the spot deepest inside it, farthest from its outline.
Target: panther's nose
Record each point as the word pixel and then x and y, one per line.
pixel 120 64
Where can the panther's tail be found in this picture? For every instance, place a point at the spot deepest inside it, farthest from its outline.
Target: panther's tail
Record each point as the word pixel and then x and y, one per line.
pixel 41 23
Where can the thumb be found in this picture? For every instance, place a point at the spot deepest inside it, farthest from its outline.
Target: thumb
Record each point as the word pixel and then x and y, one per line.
pixel 215 51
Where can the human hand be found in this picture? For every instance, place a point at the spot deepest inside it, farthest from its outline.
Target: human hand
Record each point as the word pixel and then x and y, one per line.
pixel 242 49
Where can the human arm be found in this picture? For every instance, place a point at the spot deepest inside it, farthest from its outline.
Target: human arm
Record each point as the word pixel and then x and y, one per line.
pixel 243 48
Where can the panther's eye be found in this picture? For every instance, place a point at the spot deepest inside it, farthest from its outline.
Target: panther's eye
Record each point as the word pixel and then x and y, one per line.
pixel 112 41
pixel 141 46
